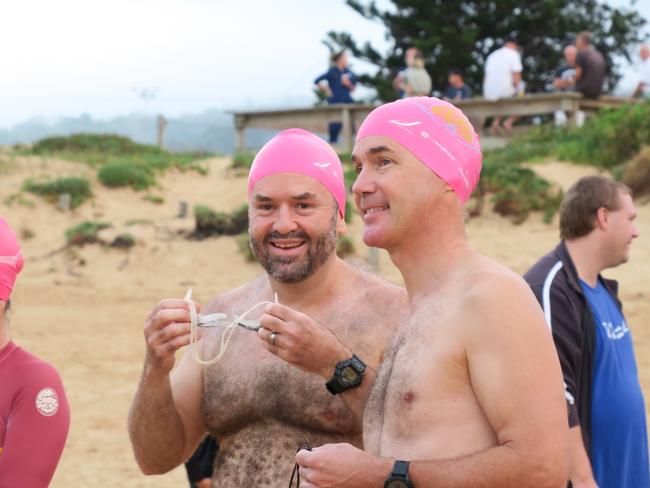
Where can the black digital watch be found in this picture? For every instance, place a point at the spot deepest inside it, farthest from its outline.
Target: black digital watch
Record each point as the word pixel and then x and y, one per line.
pixel 348 374
pixel 399 477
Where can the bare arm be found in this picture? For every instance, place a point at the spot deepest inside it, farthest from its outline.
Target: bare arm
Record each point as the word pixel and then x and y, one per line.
pixel 516 78
pixel 579 467
pixel 164 420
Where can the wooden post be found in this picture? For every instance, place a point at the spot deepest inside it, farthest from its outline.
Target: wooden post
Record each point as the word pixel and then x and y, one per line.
pixel 162 123
pixel 65 202
pixel 347 130
pixel 240 127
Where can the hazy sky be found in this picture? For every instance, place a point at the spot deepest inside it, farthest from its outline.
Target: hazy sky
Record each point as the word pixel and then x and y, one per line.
pixel 67 57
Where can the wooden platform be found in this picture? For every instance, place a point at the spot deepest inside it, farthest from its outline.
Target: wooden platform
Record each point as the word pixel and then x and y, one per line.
pixel 316 119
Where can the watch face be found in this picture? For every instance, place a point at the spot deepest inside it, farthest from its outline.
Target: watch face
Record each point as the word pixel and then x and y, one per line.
pixel 349 375
pixel 397 484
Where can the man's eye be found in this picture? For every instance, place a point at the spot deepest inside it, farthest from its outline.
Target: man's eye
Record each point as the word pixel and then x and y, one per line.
pixel 265 207
pixel 385 162
pixel 303 206
pixel 357 169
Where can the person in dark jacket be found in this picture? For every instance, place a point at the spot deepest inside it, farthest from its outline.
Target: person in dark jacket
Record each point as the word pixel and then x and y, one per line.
pixel 608 436
pixel 337 83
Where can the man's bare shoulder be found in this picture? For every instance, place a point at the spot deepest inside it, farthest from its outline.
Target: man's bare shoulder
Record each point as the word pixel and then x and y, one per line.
pixel 495 297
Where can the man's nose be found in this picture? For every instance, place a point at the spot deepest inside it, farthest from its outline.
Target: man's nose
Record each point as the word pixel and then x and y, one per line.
pixel 285 221
pixel 364 184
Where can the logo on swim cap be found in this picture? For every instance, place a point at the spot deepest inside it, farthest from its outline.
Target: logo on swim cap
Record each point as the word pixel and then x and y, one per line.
pixel 47 402
pixel 455 121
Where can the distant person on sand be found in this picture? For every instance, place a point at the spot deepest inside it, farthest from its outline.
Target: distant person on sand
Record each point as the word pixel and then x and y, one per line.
pixel 456 88
pixel 34 411
pixel 590 67
pixel 606 409
pixel 336 318
pixel 338 83
pixel 643 87
pixel 503 80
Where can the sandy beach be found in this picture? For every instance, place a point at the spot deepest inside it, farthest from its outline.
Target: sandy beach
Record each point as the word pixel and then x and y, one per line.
pixel 82 309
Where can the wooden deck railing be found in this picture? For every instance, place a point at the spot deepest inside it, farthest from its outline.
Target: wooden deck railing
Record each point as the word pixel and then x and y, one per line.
pixel 316 119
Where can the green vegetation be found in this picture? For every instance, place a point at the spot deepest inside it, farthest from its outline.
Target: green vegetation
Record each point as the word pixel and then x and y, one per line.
pixel 242 160
pixel 77 188
pixel 157 199
pixel 608 139
pixel 122 173
pixel 18 199
pixel 516 191
pixel 138 222
pixel 116 153
pixel 123 241
pixel 209 222
pixel 107 144
pixel 84 233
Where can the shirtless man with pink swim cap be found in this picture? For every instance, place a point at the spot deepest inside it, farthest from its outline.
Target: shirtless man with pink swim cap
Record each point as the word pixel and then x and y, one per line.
pixel 258 407
pixel 470 391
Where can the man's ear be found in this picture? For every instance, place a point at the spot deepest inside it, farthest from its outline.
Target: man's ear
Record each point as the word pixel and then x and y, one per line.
pixel 602 217
pixel 341 227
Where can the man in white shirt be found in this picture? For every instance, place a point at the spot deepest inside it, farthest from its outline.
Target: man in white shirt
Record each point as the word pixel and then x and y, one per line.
pixel 503 79
pixel 643 87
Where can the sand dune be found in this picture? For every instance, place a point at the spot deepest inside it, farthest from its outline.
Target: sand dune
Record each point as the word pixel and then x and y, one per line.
pixel 83 309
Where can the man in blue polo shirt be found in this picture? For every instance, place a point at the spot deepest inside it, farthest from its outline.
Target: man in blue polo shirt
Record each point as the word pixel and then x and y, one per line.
pixel 609 442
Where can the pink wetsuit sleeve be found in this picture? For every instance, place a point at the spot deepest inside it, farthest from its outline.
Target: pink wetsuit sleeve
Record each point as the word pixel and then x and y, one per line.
pixel 36 430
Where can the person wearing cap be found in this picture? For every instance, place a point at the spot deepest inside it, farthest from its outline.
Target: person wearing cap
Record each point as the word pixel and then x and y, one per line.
pixel 34 411
pixel 258 408
pixel 470 391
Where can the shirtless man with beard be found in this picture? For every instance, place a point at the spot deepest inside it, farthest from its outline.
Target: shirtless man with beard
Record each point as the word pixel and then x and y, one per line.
pixel 470 392
pixel 259 408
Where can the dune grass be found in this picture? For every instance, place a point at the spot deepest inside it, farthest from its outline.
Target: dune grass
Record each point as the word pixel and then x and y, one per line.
pixel 84 233
pixel 608 139
pixel 78 188
pixel 119 154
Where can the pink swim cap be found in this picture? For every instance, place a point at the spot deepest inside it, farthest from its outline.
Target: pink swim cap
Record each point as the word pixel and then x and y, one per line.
pixel 300 151
pixel 11 260
pixel 437 133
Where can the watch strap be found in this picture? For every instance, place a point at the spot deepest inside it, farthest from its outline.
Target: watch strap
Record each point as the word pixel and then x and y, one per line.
pixel 399 475
pixel 401 468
